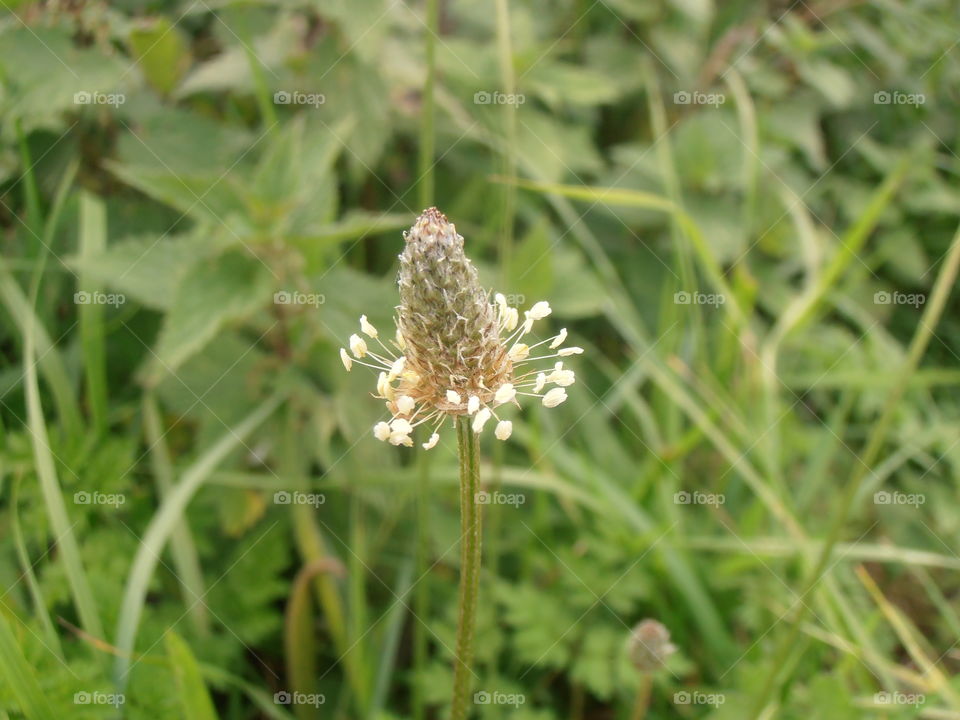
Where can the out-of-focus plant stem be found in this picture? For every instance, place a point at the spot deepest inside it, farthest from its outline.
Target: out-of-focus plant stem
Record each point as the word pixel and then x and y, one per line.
pixel 425 186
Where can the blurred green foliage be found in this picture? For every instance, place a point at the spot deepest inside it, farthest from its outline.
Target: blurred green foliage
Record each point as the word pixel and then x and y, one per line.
pixel 738 208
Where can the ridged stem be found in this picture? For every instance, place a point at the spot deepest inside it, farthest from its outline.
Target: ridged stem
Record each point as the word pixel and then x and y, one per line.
pixel 468 444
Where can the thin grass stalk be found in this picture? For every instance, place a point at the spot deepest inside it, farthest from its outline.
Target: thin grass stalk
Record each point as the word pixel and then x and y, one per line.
pixel 509 113
pixel 183 549
pixel 51 639
pixel 427 106
pixel 46 469
pixel 426 185
pixel 93 241
pixel 468 445
pixel 938 300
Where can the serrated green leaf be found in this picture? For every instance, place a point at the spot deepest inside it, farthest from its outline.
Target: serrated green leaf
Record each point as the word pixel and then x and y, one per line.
pixel 214 292
pixel 161 53
pixel 149 269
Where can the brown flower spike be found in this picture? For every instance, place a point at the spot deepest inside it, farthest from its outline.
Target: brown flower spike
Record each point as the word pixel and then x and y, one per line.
pixel 456 352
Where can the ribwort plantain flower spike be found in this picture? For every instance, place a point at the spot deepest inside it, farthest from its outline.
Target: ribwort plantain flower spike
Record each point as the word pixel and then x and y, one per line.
pixel 456 353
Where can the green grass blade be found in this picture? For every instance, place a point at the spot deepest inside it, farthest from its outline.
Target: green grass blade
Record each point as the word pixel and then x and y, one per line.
pixel 878 436
pixel 182 547
pixel 39 604
pixel 388 656
pixel 93 241
pixel 426 151
pixel 648 201
pixel 195 702
pixel 162 526
pixel 52 495
pixel 20 677
pixel 299 632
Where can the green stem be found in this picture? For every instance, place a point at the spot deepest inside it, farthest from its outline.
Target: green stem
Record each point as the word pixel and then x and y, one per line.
pixel 427 137
pixel 468 444
pixel 421 599
pixel 642 702
pixel 509 115
pixel 938 300
pixel 425 181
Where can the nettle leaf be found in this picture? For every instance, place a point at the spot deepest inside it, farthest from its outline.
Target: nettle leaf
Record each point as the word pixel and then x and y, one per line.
pixel 215 291
pixel 161 53
pixel 559 83
pixel 532 264
pixel 215 387
pixel 44 70
pixel 583 294
pixel 723 216
pixel 553 149
pixel 707 149
pixel 833 82
pixel 357 96
pixel 180 141
pixel 293 189
pixel 231 69
pixel 210 197
pixel 149 269
pixel 795 123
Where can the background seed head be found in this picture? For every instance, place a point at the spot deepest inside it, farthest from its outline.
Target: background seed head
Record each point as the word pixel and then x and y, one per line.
pixel 650 645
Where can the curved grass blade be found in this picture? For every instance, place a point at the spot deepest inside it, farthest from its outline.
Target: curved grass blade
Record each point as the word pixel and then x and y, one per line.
pixel 93 241
pixel 182 546
pixel 162 526
pixel 20 677
pixel 195 702
pixel 52 495
pixel 39 604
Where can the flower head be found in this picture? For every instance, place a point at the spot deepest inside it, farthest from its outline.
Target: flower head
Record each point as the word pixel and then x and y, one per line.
pixel 455 352
pixel 649 645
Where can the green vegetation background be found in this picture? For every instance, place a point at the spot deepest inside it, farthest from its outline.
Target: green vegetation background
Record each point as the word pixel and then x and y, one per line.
pixel 739 209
